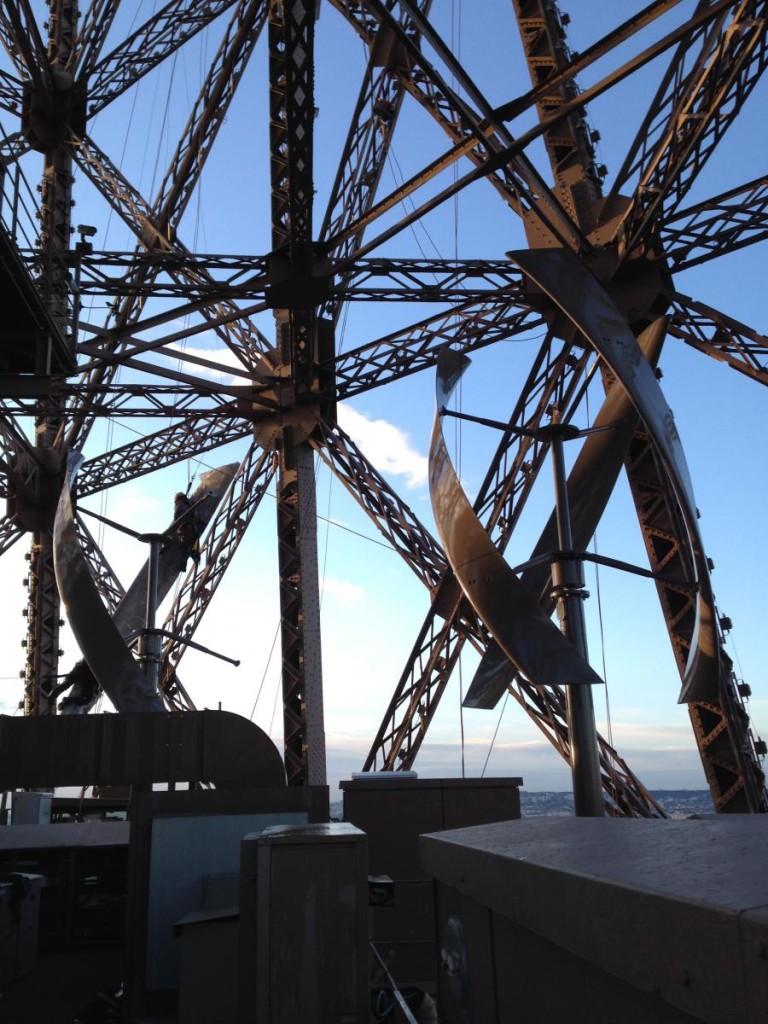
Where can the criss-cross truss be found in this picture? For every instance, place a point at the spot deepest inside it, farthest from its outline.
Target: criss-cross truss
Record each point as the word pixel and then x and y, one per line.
pixel 274 314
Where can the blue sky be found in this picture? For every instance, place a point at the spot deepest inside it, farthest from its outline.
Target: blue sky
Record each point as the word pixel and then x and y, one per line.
pixel 372 606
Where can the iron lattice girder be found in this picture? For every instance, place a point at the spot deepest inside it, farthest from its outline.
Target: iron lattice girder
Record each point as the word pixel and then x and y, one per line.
pixel 42 640
pixel 107 583
pixel 156 40
pixel 171 273
pixel 465 327
pixel 182 440
pixel 210 109
pixel 10 532
pixel 391 516
pixel 220 543
pixel 625 795
pixel 299 610
pixel 569 141
pixel 19 54
pixel 731 768
pixel 432 661
pixel 720 337
pixel 243 338
pixel 430 664
pixel 292 113
pixel 170 400
pixel 690 114
pixel 185 169
pixel 10 95
pixel 89 42
pixel 722 731
pixel 498 156
pixel 516 179
pixel 393 353
pixel 22 41
pixel 725 223
pixel 363 159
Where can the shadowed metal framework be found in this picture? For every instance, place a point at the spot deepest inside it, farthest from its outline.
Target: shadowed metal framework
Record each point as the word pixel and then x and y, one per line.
pixel 634 238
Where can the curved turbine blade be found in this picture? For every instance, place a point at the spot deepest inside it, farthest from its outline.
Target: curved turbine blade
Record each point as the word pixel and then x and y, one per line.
pixel 109 659
pixel 130 614
pixel 527 636
pixel 584 301
pixel 590 484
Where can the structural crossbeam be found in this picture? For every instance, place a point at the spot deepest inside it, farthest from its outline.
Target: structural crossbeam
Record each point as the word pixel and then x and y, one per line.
pixel 516 180
pixel 466 327
pixel 157 39
pixel 182 440
pixel 89 41
pixel 391 516
pixel 732 770
pixel 711 77
pixel 723 224
pixel 210 110
pixel 720 336
pixel 107 583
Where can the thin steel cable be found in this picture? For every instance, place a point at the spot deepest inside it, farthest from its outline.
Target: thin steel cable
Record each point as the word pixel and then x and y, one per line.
pixel 495 734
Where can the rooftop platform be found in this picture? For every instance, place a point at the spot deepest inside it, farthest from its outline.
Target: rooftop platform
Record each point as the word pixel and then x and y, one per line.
pixel 669 912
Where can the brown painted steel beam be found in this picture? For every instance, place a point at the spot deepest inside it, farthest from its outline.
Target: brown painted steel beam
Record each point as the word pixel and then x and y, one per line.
pixel 184 172
pixel 151 452
pixel 467 327
pixel 107 583
pixel 392 517
pixel 245 341
pixel 365 152
pixel 732 772
pixel 725 223
pixel 157 39
pixel 479 133
pixel 720 336
pixel 709 80
pixel 210 109
pixel 89 40
pixel 569 143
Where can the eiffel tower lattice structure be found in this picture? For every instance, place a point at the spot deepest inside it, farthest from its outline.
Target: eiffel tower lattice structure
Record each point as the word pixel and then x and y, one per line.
pixel 229 226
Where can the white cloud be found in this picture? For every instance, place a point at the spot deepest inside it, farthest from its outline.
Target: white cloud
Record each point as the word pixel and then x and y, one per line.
pixel 387 446
pixel 345 592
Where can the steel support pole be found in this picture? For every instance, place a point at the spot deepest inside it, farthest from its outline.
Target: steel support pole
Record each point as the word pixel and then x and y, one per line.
pixel 304 734
pixel 569 593
pixel 150 643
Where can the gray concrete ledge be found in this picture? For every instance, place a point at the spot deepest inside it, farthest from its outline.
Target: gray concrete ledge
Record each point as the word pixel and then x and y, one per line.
pixel 678 909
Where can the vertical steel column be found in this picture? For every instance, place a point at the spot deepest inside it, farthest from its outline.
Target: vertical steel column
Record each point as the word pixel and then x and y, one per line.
pixel 568 591
pixel 43 611
pixel 304 734
pixel 292 113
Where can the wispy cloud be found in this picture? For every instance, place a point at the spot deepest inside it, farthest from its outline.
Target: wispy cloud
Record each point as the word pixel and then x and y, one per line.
pixel 387 446
pixel 345 592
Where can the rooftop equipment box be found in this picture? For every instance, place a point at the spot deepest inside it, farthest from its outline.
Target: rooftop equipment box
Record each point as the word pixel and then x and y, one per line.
pixel 394 809
pixel 312 956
